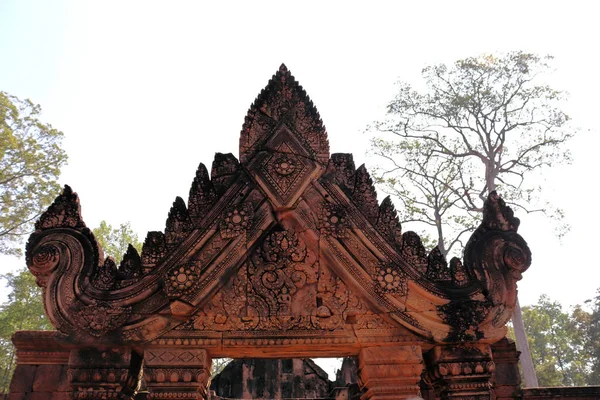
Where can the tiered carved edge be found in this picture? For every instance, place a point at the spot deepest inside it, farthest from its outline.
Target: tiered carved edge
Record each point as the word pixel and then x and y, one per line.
pixel 287 253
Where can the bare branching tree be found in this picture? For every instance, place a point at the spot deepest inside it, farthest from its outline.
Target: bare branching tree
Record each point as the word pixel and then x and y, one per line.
pixel 485 123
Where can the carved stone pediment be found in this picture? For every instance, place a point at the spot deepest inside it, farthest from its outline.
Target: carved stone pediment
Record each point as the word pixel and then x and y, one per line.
pixel 287 247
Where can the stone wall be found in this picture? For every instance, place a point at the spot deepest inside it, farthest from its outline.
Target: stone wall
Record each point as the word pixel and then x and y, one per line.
pixel 42 368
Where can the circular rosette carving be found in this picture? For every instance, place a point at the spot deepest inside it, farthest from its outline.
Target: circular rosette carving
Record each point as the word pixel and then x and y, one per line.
pixel 333 221
pixel 43 262
pixel 285 165
pixel 389 280
pixel 236 220
pixel 181 279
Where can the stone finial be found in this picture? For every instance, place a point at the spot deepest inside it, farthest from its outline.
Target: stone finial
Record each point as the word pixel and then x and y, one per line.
pixel 283 101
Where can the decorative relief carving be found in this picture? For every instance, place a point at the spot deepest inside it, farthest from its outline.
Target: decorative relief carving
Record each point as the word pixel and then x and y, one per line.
pixel 283 101
pixel 458 272
pixel 283 169
pixel 390 280
pixel 181 279
pixel 437 267
pixel 131 264
pixel 176 373
pixel 388 224
pixel 461 371
pixel 165 357
pixel 341 171
pixel 414 252
pixel 464 318
pixel 178 225
pixel 275 289
pixel 106 275
pixel 202 195
pixel 65 212
pixel 236 220
pixel 224 171
pixel 98 319
pixel 43 262
pixel 153 250
pixel 365 196
pixel 333 221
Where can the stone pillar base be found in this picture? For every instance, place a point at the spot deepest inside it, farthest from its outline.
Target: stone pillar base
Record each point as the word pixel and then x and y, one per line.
pixel 390 372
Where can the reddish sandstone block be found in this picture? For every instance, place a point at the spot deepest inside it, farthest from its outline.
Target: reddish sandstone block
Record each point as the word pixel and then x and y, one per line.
pixel 16 396
pixel 22 380
pixel 47 378
pixel 61 396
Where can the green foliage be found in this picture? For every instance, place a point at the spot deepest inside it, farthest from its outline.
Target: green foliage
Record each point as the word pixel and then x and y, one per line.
pixel 593 337
pixel 30 160
pixel 561 343
pixel 114 241
pixel 482 124
pixel 218 365
pixel 23 310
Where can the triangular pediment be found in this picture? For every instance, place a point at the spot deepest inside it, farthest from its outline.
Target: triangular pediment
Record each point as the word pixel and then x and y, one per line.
pixel 289 243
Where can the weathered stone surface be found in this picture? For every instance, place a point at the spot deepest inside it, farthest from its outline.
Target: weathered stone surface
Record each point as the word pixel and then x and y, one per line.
pixel 23 379
pixel 272 379
pixel 50 378
pixel 286 253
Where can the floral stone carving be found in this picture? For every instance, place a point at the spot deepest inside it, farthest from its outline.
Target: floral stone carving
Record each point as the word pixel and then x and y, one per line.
pixel 286 253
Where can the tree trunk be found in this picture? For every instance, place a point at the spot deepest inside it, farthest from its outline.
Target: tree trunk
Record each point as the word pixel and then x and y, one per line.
pixel 523 346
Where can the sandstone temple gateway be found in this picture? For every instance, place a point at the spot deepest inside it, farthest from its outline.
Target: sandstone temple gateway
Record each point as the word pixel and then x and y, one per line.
pixel 284 253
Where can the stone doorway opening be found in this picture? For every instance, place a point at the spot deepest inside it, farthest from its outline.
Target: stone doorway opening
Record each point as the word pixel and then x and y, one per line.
pixel 289 378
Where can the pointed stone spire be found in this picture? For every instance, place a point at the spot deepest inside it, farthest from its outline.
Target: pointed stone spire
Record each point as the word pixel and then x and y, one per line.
pixel 131 265
pixel 414 252
pixel 498 216
pixel 283 101
pixel 153 250
pixel 178 224
pixel 202 195
pixel 364 195
pixel 437 267
pixel 388 223
pixel 224 168
pixel 341 170
pixel 65 212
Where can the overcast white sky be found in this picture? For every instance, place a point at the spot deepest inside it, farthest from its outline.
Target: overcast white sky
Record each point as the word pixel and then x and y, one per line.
pixel 144 91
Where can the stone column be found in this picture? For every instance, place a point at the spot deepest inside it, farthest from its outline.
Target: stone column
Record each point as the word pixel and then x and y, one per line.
pixel 506 378
pixel 177 373
pixel 104 373
pixel 461 372
pixel 390 372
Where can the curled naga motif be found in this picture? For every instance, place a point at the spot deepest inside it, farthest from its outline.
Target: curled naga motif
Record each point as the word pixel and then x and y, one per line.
pixel 43 262
pixel 82 294
pixel 495 257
